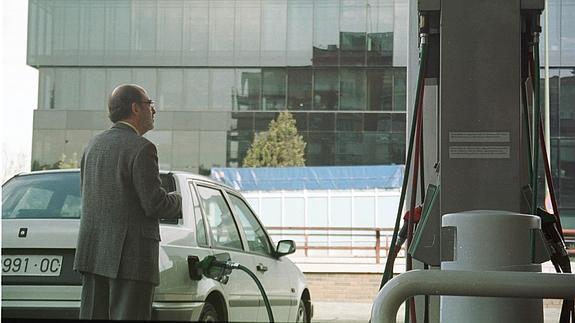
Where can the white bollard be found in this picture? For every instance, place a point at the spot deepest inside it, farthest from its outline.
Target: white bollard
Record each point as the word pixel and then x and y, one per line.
pixel 489 241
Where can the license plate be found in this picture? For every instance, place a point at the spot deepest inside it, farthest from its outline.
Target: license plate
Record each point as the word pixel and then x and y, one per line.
pixel 31 265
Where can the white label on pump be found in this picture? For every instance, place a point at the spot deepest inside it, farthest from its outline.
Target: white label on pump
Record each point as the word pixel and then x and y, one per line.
pixel 479 136
pixel 479 152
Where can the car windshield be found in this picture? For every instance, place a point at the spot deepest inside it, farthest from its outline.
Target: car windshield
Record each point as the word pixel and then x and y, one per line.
pixel 42 196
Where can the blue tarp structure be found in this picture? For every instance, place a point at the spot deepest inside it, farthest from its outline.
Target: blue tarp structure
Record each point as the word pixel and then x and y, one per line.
pixel 311 178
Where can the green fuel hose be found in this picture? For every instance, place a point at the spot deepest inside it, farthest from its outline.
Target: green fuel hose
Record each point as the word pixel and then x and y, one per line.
pixel 209 263
pixel 262 291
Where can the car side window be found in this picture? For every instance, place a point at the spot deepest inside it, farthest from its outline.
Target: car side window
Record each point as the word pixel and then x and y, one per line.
pixel 201 236
pixel 254 232
pixel 222 224
pixel 169 184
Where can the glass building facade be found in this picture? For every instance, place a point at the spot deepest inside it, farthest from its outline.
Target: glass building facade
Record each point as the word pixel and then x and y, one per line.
pixel 561 57
pixel 220 70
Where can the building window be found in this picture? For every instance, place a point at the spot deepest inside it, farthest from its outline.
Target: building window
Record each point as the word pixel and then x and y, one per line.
pixel 352 89
pixel 273 89
pixel 299 89
pixel 326 90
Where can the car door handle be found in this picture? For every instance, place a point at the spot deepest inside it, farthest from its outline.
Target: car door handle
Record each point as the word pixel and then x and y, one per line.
pixel 262 268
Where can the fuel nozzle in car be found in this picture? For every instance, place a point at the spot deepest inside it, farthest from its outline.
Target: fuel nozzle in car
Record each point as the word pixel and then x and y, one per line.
pixel 219 267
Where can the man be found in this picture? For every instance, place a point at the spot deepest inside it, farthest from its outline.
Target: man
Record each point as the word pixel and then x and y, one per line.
pixel 122 202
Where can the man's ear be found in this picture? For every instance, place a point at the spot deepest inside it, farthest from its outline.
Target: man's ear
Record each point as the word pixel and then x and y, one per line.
pixel 135 109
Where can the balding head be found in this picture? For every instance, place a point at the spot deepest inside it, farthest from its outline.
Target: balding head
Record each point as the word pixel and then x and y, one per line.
pixel 121 99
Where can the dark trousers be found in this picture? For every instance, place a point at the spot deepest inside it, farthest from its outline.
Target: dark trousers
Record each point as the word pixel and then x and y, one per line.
pixel 105 298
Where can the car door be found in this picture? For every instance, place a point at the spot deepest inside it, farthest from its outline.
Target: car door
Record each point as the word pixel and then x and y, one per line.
pixel 271 271
pixel 243 294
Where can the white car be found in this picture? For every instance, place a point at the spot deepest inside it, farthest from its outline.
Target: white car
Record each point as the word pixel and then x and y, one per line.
pixel 40 221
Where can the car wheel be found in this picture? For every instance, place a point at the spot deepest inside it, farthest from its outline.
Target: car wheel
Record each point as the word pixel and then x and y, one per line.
pixel 301 316
pixel 209 314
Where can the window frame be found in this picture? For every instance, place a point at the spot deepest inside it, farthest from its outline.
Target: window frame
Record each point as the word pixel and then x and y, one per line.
pixel 243 233
pixel 208 227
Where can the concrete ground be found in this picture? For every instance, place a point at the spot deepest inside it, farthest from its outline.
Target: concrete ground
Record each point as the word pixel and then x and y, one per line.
pixel 327 312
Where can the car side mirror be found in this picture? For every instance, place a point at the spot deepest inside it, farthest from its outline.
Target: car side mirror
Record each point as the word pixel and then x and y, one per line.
pixel 285 247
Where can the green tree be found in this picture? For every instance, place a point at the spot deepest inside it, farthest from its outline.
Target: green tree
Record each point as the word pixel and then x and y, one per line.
pixel 280 146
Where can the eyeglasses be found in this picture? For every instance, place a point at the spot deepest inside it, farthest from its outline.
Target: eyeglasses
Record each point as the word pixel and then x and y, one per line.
pixel 150 102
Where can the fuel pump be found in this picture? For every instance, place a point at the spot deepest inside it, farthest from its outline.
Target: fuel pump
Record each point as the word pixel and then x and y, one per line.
pixel 485 143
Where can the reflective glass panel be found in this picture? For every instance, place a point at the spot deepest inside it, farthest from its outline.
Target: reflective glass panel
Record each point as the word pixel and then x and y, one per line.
pixel 170 22
pixel 380 89
pixel 91 35
pixel 239 142
pixel 222 89
pixel 299 89
pixel 401 19
pixel 195 42
pixel 248 89
pixel 399 89
pixel 567 174
pixel 568 33
pixel 398 148
pixel 93 89
pixel 352 89
pixel 301 119
pixel 274 32
pixel 554 98
pixel 66 23
pixel 349 122
pixel 379 148
pixel 222 15
pixel 299 35
pixel 321 121
pixel 273 89
pixel 67 88
pixel 380 21
pixel 170 89
pixel 326 90
pixel 380 122
pixel 567 103
pixel 118 22
pixel 353 25
pixel 247 32
pixel 326 32
pixel 348 148
pixel 320 148
pixel 144 30
pixel 398 123
pixel 262 120
pixel 196 85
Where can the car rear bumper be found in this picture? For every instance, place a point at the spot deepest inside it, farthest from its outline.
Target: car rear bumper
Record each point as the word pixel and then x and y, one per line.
pixel 161 311
pixel 40 309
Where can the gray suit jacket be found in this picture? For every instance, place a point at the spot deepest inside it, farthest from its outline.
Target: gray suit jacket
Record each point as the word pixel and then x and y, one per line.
pixel 122 202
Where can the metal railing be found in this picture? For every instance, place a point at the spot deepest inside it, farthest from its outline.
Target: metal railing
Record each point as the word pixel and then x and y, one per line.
pixel 376 240
pixel 456 283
